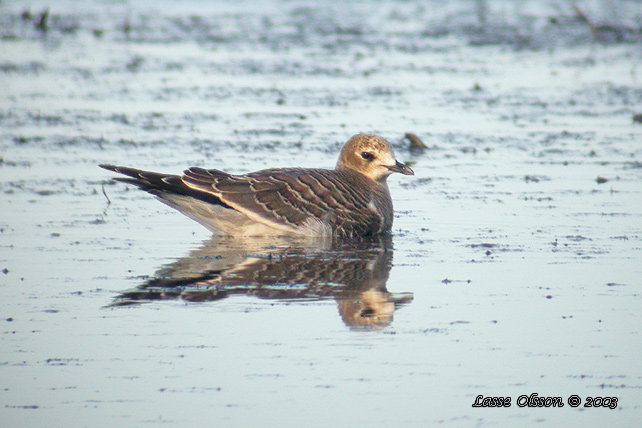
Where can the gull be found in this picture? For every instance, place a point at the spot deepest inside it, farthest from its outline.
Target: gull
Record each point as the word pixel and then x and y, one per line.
pixel 351 200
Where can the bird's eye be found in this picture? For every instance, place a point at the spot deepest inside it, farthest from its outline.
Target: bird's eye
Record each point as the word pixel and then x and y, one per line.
pixel 367 156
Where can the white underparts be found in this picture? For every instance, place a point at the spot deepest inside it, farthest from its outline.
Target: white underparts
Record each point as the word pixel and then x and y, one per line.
pixel 227 221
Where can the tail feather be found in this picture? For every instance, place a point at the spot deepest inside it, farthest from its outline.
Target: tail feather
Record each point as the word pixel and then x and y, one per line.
pixel 161 185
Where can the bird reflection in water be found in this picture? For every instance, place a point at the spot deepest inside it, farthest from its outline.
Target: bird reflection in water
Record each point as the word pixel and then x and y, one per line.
pixel 353 272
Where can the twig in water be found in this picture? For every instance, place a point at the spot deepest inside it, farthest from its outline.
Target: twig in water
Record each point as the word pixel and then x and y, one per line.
pixel 105 193
pixel 41 25
pixel 588 22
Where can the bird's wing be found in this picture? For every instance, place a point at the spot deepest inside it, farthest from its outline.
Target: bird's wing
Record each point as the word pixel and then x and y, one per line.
pixel 159 184
pixel 290 198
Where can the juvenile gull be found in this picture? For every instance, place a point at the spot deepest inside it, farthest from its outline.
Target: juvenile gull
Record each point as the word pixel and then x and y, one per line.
pixel 351 200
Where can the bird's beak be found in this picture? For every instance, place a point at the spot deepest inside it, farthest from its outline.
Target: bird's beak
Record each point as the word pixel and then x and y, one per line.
pixel 401 168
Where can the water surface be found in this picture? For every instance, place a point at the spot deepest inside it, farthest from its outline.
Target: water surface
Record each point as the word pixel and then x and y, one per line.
pixel 513 268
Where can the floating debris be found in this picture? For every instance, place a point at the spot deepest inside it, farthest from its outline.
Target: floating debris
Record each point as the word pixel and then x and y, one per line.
pixel 42 21
pixel 415 142
pixel 26 15
pixel 127 27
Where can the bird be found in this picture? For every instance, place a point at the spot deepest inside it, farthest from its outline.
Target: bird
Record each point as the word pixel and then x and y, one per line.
pixel 352 200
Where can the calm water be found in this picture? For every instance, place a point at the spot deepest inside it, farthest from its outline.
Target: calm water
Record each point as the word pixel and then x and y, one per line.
pixel 514 267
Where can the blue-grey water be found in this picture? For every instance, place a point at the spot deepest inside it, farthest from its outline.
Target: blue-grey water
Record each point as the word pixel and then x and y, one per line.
pixel 515 263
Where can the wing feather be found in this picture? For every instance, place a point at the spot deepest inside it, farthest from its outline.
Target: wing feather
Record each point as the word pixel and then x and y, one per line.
pixel 292 197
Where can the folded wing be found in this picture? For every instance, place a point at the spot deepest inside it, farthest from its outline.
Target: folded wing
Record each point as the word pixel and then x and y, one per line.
pixel 293 197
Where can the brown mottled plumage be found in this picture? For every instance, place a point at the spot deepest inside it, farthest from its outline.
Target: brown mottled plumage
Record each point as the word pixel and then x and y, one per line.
pixel 351 200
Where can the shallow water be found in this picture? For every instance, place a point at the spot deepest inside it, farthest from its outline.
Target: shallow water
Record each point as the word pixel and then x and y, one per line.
pixel 514 266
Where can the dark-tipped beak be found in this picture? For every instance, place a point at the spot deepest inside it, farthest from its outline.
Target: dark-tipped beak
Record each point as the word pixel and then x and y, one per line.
pixel 401 168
